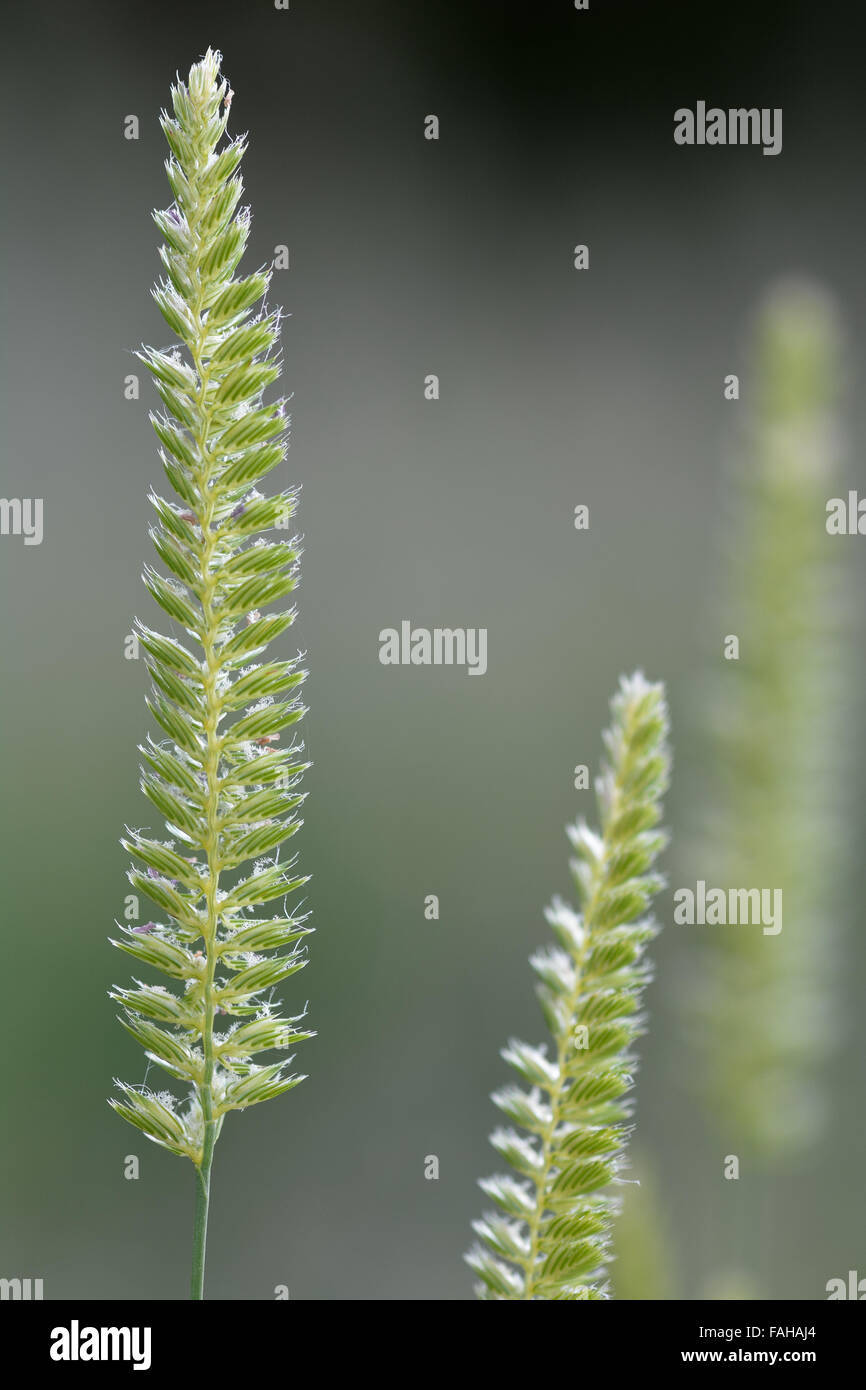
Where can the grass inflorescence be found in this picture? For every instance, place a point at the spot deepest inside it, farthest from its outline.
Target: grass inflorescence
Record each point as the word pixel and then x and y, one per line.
pixel 221 779
pixel 550 1238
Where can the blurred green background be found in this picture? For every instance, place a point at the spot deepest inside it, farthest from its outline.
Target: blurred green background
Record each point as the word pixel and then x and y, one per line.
pixel 557 388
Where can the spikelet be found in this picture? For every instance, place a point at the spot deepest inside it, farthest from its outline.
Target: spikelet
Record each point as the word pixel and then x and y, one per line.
pixel 226 787
pixel 551 1237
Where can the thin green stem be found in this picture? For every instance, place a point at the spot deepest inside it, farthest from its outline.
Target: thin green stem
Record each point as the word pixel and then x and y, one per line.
pixel 202 1206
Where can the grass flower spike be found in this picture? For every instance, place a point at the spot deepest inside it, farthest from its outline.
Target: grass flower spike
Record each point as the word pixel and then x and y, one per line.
pixel 552 1238
pixel 223 783
pixel 764 1008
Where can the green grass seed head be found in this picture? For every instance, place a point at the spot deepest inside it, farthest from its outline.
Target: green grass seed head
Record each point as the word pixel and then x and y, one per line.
pixel 550 1238
pixel 224 774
